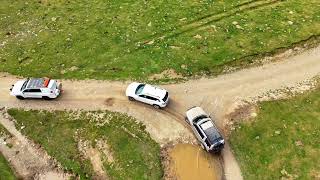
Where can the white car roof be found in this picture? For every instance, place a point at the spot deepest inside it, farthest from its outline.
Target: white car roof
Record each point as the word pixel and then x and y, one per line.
pixel 153 91
pixel 195 112
pixel 206 125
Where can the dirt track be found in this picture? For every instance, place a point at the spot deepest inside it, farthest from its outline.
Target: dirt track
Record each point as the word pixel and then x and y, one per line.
pixel 218 96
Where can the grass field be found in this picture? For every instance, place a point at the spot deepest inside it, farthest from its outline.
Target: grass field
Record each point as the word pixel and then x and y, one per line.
pixel 135 154
pixel 135 39
pixel 283 141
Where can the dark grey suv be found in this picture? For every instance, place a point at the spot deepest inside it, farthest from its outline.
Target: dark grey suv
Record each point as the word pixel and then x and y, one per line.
pixel 205 130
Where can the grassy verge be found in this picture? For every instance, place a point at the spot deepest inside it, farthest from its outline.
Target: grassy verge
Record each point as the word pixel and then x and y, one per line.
pixel 3 131
pixel 135 154
pixel 136 39
pixel 282 141
pixel 6 172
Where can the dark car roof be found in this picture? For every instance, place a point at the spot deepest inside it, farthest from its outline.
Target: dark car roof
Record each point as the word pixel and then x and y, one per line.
pixel 36 83
pixel 210 130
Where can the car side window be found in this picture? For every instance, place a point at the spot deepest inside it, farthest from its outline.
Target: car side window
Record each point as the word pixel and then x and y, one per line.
pixel 151 98
pixel 207 142
pixel 34 90
pixel 26 90
pixel 143 96
pixel 199 131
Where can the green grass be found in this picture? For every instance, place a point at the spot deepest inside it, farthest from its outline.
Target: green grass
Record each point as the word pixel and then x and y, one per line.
pixel 107 39
pixel 6 172
pixel 135 156
pixel 3 131
pixel 263 153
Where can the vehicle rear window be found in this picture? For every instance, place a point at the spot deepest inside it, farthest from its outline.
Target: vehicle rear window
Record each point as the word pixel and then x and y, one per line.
pixel 166 97
pixel 140 88
pixel 54 86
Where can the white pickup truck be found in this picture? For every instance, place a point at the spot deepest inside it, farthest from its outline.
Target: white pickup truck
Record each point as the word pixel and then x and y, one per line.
pixel 36 88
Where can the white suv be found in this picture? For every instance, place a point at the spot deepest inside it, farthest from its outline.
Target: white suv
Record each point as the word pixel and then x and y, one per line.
pixel 148 94
pixel 36 88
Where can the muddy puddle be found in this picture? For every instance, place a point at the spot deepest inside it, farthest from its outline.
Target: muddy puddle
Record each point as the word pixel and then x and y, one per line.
pixel 190 162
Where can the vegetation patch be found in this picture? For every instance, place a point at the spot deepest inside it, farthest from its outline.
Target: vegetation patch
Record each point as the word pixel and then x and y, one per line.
pixel 282 141
pixel 5 170
pixel 137 39
pixel 126 150
pixel 4 132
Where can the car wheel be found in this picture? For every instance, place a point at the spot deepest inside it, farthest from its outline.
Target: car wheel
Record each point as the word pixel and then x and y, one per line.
pixel 46 98
pixel 156 106
pixel 20 97
pixel 131 98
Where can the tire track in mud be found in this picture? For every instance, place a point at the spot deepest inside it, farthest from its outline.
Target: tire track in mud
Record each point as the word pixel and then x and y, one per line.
pixel 221 12
pixel 177 117
pixel 167 111
pixel 193 21
pixel 206 21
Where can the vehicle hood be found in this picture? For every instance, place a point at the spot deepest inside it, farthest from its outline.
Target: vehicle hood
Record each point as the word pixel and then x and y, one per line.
pixel 195 112
pixel 131 89
pixel 16 89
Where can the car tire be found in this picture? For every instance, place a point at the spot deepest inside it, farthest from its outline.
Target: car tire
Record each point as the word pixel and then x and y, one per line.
pixel 20 97
pixel 156 106
pixel 131 98
pixel 46 98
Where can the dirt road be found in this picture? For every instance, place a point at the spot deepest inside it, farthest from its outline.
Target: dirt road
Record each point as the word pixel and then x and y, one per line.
pixel 218 96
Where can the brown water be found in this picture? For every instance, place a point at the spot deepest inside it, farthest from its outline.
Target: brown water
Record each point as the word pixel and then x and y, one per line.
pixel 190 162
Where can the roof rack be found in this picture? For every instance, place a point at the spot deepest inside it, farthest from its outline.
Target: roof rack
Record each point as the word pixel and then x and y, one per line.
pixel 35 83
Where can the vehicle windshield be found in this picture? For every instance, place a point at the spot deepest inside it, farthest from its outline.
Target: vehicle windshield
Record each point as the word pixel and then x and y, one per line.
pixel 197 119
pixel 24 85
pixel 54 86
pixel 140 89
